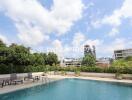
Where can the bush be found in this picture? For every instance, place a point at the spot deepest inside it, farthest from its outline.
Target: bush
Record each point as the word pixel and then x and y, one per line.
pixel 63 73
pixel 77 72
pixel 91 69
pixel 4 69
pixel 124 70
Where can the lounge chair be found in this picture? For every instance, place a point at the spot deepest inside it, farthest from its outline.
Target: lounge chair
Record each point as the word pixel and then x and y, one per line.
pixel 14 79
pixel 1 82
pixel 7 81
pixel 30 76
pixel 45 78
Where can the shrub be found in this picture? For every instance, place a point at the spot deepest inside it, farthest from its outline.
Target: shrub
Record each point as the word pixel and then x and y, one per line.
pixel 63 72
pixel 77 72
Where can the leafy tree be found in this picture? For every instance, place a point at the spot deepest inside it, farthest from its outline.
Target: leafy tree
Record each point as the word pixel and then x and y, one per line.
pixel 2 44
pixel 18 59
pixel 89 60
pixel 51 59
pixel 38 59
pixel 129 58
pixel 124 62
pixel 44 55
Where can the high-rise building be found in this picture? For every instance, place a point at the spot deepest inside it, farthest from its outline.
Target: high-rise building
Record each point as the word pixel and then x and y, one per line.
pixel 122 53
pixel 89 50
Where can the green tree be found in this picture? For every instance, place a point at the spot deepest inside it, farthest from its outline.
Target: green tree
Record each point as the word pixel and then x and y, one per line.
pixel 18 59
pixel 52 59
pixel 2 44
pixel 89 60
pixel 44 55
pixel 38 59
pixel 129 58
pixel 124 62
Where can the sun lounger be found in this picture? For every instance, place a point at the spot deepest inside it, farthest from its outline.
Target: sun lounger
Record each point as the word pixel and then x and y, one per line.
pixel 14 79
pixel 1 83
pixel 7 81
pixel 45 78
pixel 30 76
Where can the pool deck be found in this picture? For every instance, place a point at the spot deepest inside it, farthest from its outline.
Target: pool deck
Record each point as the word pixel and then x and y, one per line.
pixel 94 78
pixel 28 84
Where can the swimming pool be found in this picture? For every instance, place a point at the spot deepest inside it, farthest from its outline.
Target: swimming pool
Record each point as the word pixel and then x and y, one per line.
pixel 73 89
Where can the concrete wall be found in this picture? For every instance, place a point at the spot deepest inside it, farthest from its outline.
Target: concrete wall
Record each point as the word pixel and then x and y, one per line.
pixel 85 74
pixel 20 75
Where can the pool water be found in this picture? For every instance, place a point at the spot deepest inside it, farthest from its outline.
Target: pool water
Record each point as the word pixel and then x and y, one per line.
pixel 73 89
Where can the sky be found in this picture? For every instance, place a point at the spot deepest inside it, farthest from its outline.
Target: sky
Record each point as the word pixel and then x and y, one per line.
pixel 65 26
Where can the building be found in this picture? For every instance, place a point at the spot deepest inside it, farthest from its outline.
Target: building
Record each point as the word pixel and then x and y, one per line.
pixel 103 62
pixel 71 62
pixel 77 61
pixel 122 53
pixel 89 50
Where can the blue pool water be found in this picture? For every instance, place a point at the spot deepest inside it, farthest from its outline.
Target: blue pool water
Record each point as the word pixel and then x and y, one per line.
pixel 73 89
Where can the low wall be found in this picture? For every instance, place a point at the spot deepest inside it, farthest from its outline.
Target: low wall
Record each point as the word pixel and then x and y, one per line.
pixel 100 75
pixel 20 74
pixel 85 74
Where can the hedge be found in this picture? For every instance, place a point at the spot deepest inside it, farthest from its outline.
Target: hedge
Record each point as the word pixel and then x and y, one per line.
pixel 4 69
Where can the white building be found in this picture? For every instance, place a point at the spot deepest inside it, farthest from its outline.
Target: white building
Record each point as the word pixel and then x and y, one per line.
pixel 71 62
pixel 122 53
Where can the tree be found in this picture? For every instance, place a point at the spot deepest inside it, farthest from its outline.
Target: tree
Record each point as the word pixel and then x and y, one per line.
pixel 2 44
pixel 51 59
pixel 39 60
pixel 128 58
pixel 44 55
pixel 89 60
pixel 19 59
pixel 124 62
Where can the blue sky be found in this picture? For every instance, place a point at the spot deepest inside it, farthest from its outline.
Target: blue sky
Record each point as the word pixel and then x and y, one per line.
pixel 65 26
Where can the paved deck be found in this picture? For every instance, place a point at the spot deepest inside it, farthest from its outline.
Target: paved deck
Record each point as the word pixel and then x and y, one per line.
pixel 94 78
pixel 26 84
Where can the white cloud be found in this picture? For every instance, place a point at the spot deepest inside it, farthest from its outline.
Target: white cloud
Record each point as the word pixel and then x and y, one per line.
pixel 115 19
pixel 4 39
pixel 95 42
pixel 32 19
pixel 75 48
pixel 118 43
pixel 113 32
pixel 95 24
pixel 78 39
pixel 31 35
pixel 58 48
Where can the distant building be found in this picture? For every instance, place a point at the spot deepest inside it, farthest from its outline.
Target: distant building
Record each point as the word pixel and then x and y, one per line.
pixel 71 62
pixel 77 62
pixel 89 50
pixel 122 53
pixel 103 62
